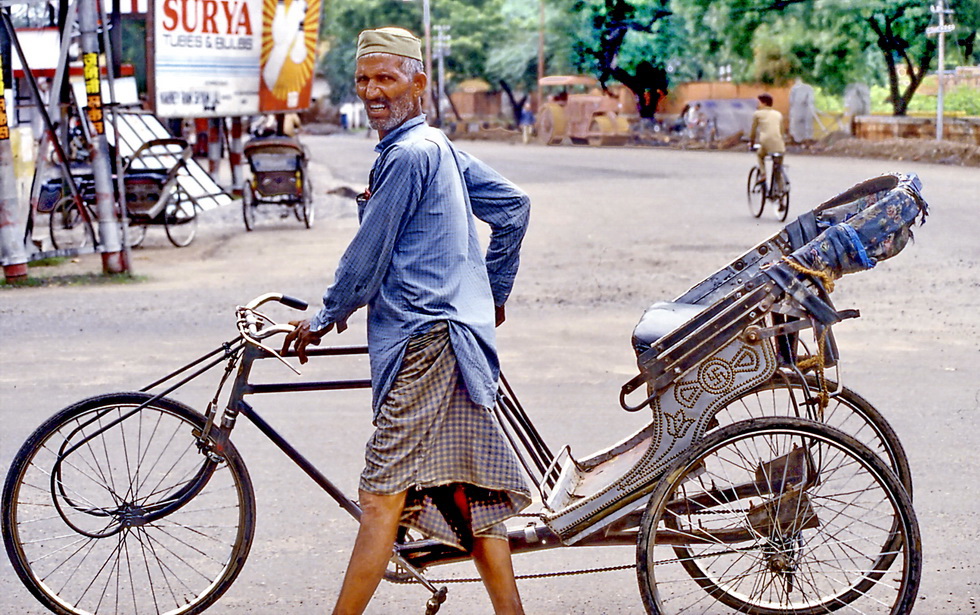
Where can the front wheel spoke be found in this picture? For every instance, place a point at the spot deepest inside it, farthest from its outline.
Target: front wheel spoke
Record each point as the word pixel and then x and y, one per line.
pixel 113 553
pixel 179 558
pixel 159 458
pixel 186 477
pixel 82 498
pixel 146 449
pixel 147 545
pixel 190 546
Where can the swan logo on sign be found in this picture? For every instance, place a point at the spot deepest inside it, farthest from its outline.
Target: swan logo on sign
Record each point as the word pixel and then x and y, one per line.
pixel 289 35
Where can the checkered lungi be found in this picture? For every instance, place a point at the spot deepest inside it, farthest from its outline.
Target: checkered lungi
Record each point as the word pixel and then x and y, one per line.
pixel 431 437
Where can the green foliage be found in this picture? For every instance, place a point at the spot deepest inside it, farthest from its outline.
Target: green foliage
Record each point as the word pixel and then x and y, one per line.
pixel 962 99
pixel 773 66
pixel 827 102
pixel 827 43
pixel 80 279
pixel 491 39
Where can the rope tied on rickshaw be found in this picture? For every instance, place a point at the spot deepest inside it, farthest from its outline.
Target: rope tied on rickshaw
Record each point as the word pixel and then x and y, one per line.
pixel 816 362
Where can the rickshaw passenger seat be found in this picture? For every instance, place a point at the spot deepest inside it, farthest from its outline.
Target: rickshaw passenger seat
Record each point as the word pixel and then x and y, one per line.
pixel 660 319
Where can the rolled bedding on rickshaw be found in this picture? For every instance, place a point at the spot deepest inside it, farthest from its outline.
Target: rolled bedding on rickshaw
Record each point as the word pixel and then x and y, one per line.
pixel 860 233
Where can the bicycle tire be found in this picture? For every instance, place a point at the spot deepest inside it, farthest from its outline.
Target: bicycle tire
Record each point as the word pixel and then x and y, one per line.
pixel 248 206
pixel 136 519
pixel 756 192
pixel 67 228
pixel 785 395
pixel 136 234
pixel 797 537
pixel 782 207
pixel 180 218
pixel 306 201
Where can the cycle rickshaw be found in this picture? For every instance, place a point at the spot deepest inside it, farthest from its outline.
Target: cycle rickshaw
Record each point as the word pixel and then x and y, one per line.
pixel 153 198
pixel 760 484
pixel 280 180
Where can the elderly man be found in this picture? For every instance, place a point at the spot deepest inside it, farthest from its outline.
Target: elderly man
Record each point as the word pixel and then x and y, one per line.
pixel 437 461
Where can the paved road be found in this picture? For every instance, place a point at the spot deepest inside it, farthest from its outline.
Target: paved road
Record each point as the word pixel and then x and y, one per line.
pixel 612 231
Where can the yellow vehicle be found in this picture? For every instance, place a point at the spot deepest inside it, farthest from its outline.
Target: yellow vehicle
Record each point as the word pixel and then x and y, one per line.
pixel 575 107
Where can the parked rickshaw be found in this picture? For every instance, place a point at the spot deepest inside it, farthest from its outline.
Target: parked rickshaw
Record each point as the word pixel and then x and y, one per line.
pixel 279 180
pixel 760 484
pixel 153 197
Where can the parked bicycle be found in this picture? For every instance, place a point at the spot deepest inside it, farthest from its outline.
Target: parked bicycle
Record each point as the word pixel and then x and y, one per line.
pixel 759 486
pixel 775 189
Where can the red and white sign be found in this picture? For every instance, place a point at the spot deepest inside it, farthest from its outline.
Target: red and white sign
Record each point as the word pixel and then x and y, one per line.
pixel 206 57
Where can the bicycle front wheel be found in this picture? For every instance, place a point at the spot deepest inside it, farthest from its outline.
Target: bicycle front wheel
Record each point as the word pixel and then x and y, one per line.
pixel 756 191
pixel 69 229
pixel 110 507
pixel 180 219
pixel 779 516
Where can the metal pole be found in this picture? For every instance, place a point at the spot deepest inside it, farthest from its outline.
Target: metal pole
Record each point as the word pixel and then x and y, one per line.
pixel 235 156
pixel 11 226
pixel 427 26
pixel 540 54
pixel 113 259
pixel 942 64
pixel 112 43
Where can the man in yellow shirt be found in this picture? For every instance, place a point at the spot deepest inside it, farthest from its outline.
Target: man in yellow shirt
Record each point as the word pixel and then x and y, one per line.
pixel 767 131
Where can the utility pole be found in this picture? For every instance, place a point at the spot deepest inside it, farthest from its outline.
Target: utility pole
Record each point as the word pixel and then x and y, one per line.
pixel 11 223
pixel 939 9
pixel 541 23
pixel 113 257
pixel 442 45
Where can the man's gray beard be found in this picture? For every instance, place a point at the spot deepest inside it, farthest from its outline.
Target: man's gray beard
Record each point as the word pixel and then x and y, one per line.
pixel 400 109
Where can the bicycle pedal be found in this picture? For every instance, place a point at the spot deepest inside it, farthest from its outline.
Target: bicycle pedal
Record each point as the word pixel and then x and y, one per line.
pixel 432 604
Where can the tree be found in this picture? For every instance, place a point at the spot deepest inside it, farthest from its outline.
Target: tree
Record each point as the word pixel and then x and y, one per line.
pixel 635 63
pixel 899 29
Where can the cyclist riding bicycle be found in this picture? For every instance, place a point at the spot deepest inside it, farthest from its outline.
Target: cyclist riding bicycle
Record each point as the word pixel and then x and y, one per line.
pixel 767 131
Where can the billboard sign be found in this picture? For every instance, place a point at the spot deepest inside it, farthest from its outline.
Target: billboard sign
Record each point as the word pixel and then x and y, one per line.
pixel 219 58
pixel 206 57
pixel 289 35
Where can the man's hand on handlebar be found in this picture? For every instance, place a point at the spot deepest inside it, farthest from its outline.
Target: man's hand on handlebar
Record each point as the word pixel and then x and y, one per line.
pixel 301 337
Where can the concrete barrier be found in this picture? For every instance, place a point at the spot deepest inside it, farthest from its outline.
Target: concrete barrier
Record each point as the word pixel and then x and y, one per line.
pixel 879 127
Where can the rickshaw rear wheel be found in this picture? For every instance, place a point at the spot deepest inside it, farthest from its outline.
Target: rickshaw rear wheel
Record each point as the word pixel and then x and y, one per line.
pixel 786 395
pixel 180 218
pixel 775 516
pixel 136 233
pixel 306 201
pixel 248 206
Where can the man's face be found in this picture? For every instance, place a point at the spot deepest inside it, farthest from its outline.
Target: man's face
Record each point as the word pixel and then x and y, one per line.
pixel 389 95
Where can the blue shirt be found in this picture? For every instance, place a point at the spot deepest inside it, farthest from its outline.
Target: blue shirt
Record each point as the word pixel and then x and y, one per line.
pixel 416 258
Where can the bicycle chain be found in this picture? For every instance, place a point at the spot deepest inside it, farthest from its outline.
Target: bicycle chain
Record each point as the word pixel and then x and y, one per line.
pixel 547 575
pixel 539 575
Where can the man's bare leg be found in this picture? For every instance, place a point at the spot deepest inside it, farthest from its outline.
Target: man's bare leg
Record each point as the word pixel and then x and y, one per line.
pixel 372 550
pixel 492 558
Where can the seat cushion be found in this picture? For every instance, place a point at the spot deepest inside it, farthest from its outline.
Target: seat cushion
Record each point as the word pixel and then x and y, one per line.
pixel 660 319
